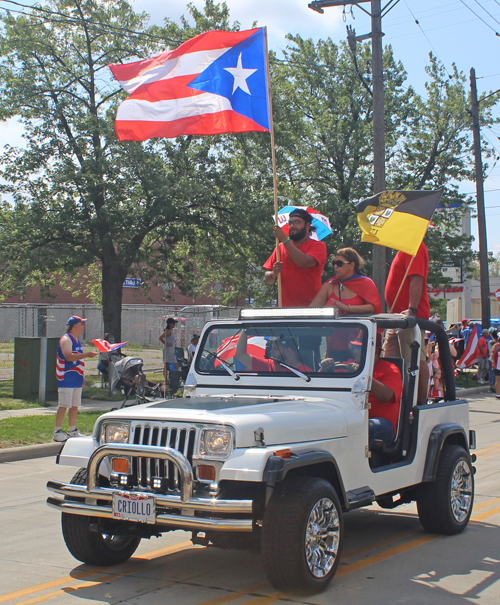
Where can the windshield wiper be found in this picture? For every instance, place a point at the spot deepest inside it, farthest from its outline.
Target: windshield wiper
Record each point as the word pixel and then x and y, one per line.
pixel 223 364
pixel 292 369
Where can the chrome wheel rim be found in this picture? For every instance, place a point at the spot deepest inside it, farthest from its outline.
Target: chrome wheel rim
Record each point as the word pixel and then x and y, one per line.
pixel 461 491
pixel 322 537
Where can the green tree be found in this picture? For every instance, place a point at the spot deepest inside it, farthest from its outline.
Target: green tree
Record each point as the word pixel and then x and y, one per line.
pixel 80 196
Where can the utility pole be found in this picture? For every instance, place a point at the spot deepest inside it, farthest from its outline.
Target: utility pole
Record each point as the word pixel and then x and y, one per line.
pixel 379 252
pixel 481 217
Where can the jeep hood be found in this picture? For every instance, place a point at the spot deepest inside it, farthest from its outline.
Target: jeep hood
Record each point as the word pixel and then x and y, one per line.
pixel 284 419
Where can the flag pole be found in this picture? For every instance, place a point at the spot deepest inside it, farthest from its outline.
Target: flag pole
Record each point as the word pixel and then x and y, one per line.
pixel 273 157
pixel 401 284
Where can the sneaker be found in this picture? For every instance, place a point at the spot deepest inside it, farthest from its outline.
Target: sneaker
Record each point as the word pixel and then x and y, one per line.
pixel 59 436
pixel 75 433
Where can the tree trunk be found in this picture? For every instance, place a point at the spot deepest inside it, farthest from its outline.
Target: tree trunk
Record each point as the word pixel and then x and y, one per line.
pixel 113 276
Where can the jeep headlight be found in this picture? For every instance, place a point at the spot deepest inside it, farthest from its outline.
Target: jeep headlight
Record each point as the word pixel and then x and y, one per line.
pixel 114 432
pixel 216 443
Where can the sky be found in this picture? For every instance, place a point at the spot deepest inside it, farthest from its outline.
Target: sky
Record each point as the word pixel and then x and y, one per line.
pixel 448 28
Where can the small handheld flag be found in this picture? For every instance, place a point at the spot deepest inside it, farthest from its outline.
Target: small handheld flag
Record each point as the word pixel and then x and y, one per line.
pixel 105 347
pixel 397 219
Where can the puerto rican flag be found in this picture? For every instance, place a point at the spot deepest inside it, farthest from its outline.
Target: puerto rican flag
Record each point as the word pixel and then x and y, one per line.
pixel 214 83
pixel 469 357
pixel 105 347
pixel 256 347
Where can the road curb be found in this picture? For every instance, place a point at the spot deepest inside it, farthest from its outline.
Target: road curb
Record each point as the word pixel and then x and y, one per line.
pixel 26 452
pixel 473 390
pixel 44 450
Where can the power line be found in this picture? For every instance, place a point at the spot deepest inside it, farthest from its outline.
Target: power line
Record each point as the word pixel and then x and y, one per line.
pixel 480 18
pixel 428 41
pixel 70 19
pixel 489 14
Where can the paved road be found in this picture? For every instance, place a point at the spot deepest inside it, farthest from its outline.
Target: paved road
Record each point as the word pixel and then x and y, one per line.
pixel 387 558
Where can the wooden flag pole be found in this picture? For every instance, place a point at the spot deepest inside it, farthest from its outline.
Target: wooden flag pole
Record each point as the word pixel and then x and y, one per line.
pixel 273 156
pixel 401 284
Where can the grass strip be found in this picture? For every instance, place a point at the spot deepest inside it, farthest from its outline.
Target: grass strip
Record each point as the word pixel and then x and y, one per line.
pixel 30 430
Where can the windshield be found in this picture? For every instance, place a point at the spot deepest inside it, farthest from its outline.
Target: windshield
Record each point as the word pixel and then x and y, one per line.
pixel 322 348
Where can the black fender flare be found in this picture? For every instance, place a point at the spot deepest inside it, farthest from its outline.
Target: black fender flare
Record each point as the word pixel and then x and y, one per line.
pixel 277 468
pixel 439 435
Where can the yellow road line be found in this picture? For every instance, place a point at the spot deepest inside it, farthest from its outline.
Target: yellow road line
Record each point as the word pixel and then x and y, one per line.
pixel 487 449
pixel 387 554
pixel 81 575
pixel 486 504
pixel 486 514
pixel 227 598
pixel 267 600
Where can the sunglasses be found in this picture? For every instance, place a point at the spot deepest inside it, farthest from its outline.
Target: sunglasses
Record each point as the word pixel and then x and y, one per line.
pixel 340 263
pixel 296 222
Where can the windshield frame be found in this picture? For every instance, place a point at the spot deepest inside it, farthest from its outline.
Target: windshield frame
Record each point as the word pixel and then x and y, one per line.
pixel 297 329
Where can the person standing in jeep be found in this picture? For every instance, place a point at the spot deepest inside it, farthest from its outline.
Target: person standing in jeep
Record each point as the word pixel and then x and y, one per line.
pixel 302 261
pixel 412 300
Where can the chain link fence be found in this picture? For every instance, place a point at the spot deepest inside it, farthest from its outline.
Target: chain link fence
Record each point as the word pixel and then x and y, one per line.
pixel 141 328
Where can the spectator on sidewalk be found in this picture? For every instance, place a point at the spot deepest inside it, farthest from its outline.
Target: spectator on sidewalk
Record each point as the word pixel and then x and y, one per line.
pixel 167 338
pixel 70 376
pixel 482 358
pixel 195 339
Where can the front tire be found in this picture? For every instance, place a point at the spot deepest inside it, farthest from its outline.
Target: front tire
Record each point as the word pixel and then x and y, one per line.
pixel 302 535
pixel 93 547
pixel 445 505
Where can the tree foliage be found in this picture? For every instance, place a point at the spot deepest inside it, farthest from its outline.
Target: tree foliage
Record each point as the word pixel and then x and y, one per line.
pixel 198 211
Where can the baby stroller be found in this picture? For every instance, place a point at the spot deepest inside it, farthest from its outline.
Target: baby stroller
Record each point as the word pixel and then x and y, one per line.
pixel 127 375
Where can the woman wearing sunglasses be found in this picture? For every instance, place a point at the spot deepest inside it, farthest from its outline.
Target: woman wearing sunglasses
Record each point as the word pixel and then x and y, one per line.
pixel 349 291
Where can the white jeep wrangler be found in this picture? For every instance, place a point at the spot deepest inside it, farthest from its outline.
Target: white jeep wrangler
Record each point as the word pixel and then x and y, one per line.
pixel 270 454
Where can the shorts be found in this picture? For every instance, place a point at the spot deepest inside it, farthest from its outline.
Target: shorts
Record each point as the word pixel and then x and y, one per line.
pixel 496 372
pixel 69 398
pixel 397 344
pixel 169 355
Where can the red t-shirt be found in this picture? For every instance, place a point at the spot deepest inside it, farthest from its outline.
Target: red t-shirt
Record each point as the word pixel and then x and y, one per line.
pixel 268 365
pixel 419 266
pixel 387 373
pixel 299 285
pixel 482 347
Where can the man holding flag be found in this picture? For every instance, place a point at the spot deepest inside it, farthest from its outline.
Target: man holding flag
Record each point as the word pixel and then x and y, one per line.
pixel 399 220
pixel 302 261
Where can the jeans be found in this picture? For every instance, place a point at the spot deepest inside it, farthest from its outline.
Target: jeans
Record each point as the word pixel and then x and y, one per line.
pixel 482 369
pixel 380 428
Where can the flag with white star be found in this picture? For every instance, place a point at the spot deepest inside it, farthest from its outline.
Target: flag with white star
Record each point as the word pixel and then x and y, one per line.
pixel 214 83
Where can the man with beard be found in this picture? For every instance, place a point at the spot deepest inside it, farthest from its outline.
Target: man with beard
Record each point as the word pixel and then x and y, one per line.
pixel 302 260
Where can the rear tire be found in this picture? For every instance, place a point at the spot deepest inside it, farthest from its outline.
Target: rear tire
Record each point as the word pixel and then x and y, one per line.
pixel 93 547
pixel 302 535
pixel 445 505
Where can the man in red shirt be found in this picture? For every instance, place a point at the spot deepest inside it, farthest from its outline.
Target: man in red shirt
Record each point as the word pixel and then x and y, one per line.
pixel 384 398
pixel 281 349
pixel 413 300
pixel 482 358
pixel 302 260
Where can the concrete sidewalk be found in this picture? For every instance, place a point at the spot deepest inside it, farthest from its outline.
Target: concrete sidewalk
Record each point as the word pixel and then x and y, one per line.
pixel 43 450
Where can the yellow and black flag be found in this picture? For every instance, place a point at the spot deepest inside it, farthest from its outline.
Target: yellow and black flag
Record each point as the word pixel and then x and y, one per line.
pixel 397 219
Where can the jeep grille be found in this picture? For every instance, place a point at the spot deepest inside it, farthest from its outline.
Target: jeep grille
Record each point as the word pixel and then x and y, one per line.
pixel 181 437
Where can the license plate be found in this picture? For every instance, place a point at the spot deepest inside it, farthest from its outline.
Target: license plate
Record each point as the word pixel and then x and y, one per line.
pixel 134 507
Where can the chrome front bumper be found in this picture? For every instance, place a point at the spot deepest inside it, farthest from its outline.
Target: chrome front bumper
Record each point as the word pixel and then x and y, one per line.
pixel 188 505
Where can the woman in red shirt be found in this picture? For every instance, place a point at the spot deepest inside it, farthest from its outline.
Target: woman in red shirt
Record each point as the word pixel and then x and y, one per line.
pixel 349 291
